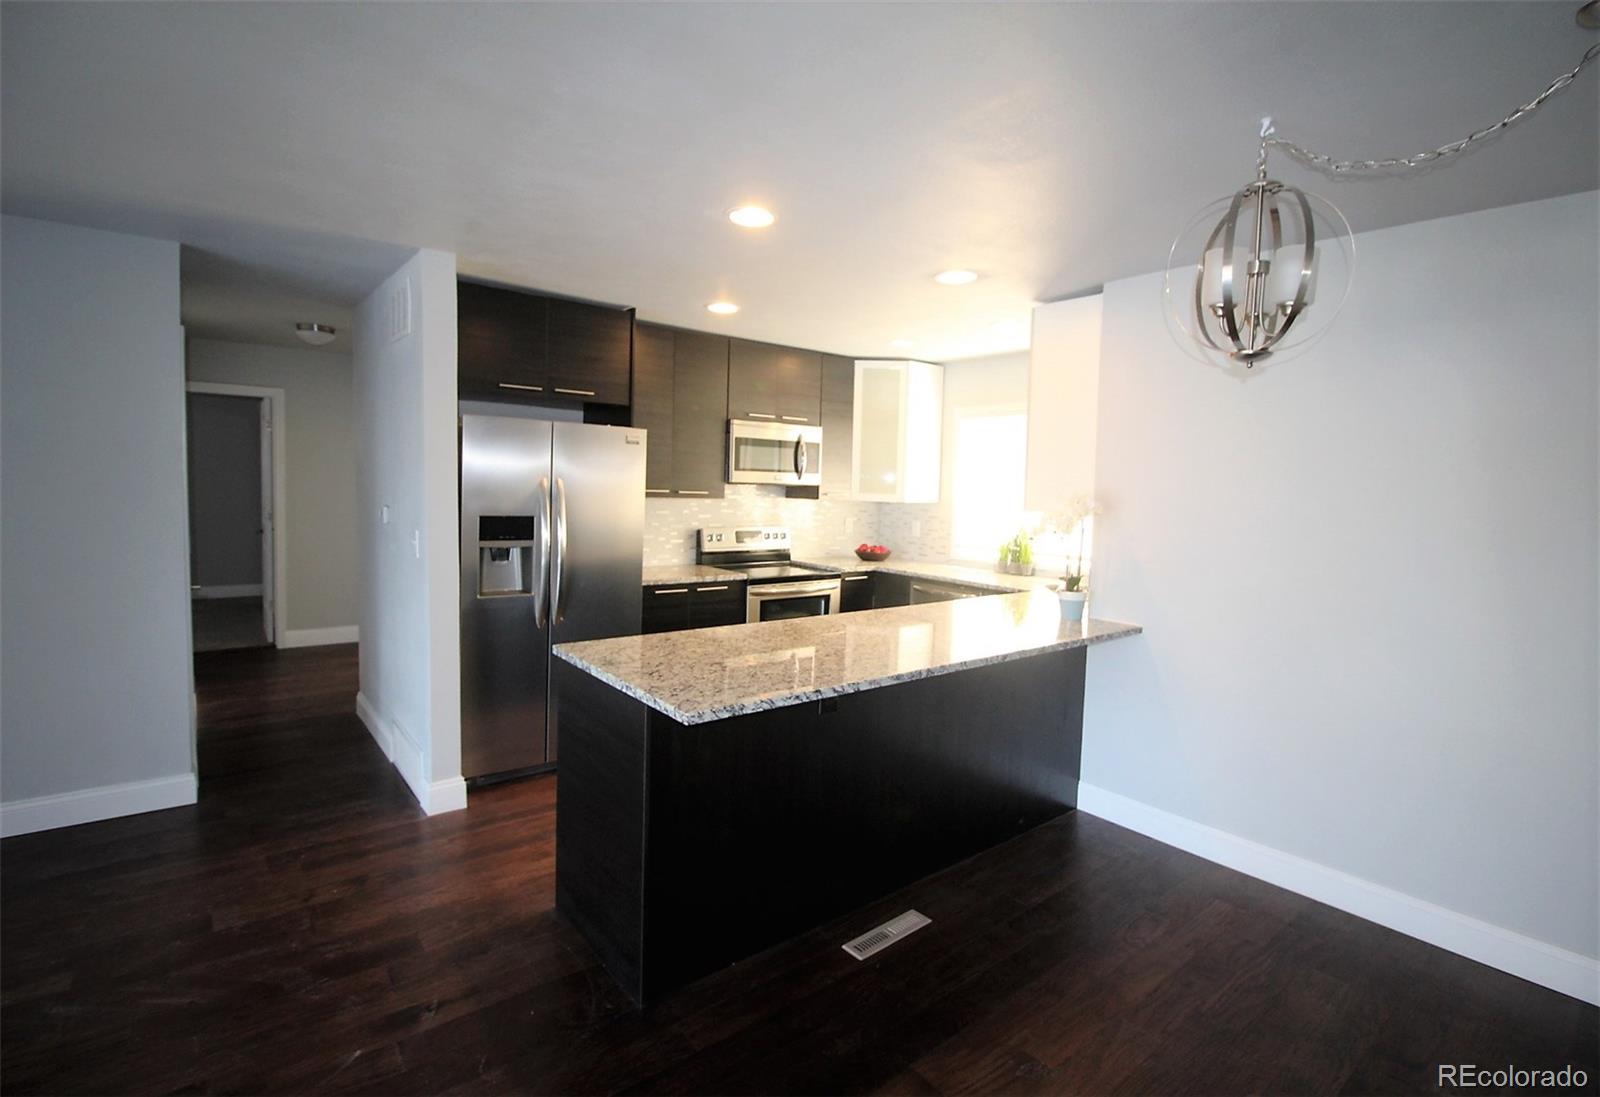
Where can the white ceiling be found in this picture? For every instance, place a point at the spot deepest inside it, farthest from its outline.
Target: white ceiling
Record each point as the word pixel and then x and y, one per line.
pixel 593 149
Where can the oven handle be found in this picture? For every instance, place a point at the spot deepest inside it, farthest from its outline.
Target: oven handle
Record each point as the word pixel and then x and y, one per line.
pixel 794 589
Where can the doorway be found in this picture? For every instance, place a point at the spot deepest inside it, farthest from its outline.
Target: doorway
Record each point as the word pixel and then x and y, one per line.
pixel 235 515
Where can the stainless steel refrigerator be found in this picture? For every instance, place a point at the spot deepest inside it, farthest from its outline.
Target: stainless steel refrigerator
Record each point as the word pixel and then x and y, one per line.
pixel 552 551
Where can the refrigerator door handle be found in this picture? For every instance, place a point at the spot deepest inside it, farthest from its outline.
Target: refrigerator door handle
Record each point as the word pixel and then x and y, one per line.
pixel 541 586
pixel 559 583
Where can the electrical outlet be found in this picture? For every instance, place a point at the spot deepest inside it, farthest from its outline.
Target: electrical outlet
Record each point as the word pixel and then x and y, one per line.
pixel 849 525
pixel 916 528
pixel 384 514
pixel 416 543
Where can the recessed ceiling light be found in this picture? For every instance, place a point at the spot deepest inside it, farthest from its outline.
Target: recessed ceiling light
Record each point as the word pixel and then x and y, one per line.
pixel 318 335
pixel 956 277
pixel 902 343
pixel 722 308
pixel 751 217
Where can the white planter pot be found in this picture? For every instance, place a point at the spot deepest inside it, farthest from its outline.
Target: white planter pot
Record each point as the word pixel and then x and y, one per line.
pixel 1072 603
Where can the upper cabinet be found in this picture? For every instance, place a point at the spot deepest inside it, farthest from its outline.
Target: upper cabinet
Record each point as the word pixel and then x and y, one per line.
pixel 782 384
pixel 898 427
pixel 527 347
pixel 652 403
pixel 590 351
pixel 1063 389
pixel 680 397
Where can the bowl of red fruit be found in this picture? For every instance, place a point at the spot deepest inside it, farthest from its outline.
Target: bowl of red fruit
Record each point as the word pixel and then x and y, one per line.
pixel 872 552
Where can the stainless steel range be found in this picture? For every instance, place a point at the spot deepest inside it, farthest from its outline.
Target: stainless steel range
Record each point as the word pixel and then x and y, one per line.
pixel 780 589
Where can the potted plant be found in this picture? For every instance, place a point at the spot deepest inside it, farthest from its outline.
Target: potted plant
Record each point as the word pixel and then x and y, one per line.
pixel 1074 592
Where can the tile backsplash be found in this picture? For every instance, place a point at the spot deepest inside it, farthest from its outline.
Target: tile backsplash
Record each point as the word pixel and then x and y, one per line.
pixel 821 527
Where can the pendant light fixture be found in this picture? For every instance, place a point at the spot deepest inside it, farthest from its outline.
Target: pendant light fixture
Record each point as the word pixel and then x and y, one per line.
pixel 1263 272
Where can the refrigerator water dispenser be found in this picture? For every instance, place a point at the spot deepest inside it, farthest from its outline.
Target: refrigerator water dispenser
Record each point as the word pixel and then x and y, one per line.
pixel 505 556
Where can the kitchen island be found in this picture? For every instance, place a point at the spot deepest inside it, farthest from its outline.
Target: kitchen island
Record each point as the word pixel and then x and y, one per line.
pixel 723 789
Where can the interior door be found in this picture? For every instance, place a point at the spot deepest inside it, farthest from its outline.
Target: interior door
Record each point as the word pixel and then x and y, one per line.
pixel 269 566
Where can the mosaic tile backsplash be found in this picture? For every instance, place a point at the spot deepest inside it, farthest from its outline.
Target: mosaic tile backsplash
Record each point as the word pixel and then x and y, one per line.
pixel 821 527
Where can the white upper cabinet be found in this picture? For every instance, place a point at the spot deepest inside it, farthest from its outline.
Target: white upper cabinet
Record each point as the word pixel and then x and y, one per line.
pixel 898 428
pixel 1063 399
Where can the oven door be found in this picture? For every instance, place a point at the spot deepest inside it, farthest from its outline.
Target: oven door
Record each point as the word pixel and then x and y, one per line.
pixel 773 453
pixel 786 601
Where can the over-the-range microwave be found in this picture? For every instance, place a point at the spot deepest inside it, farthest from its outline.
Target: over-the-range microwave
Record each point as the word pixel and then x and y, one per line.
pixel 774 452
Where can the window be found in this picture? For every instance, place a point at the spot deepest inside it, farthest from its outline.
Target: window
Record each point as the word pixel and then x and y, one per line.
pixel 991 454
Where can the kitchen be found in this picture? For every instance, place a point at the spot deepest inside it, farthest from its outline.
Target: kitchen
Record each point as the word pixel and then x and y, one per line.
pixel 553 527
pixel 826 548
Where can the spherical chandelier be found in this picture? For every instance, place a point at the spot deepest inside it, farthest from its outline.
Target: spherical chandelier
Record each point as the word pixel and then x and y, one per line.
pixel 1261 274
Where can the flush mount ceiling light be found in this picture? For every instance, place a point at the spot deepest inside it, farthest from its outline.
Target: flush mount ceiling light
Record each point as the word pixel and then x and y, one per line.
pixel 318 335
pixel 722 308
pixel 956 277
pixel 902 344
pixel 751 217
pixel 1265 270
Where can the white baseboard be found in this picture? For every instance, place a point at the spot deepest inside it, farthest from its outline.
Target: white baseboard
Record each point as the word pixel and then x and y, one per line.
pixel 1568 972
pixel 68 809
pixel 228 590
pixel 315 637
pixel 435 797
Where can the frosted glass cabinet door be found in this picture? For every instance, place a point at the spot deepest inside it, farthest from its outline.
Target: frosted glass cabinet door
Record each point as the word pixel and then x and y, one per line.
pixel 879 426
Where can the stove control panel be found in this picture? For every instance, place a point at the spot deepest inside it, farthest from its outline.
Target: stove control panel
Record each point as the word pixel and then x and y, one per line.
pixel 744 539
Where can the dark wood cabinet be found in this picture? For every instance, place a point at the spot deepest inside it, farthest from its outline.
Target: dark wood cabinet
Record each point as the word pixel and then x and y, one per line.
pixel 652 402
pixel 838 426
pixel 678 606
pixel 680 395
pixel 699 414
pixel 761 826
pixel 713 604
pixel 529 348
pixel 666 609
pixel 889 589
pixel 855 592
pixel 589 351
pixel 781 384
pixel 500 343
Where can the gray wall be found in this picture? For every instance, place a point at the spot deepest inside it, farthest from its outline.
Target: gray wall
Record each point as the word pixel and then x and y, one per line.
pixel 224 490
pixel 320 454
pixel 1368 576
pixel 405 387
pixel 95 677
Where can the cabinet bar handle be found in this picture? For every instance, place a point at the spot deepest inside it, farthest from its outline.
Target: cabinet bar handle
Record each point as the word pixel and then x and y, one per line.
pixel 724 586
pixel 658 491
pixel 574 392
pixel 795 419
pixel 760 415
pixel 686 491
pixel 523 388
pixel 674 590
pixel 856 578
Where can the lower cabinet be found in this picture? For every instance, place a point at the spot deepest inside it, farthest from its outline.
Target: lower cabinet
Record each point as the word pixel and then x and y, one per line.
pixel 889 589
pixel 856 592
pixel 692 605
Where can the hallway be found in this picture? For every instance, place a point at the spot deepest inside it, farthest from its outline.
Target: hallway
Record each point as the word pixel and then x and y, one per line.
pixel 305 928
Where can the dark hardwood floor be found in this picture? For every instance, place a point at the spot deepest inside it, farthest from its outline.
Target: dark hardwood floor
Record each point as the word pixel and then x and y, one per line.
pixel 306 928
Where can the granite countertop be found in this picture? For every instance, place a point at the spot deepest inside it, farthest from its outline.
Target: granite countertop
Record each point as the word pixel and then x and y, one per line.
pixel 667 574
pixel 701 675
pixel 917 569
pixel 975 574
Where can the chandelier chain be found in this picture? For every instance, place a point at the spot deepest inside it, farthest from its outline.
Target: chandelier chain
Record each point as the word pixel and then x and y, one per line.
pixel 1422 159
